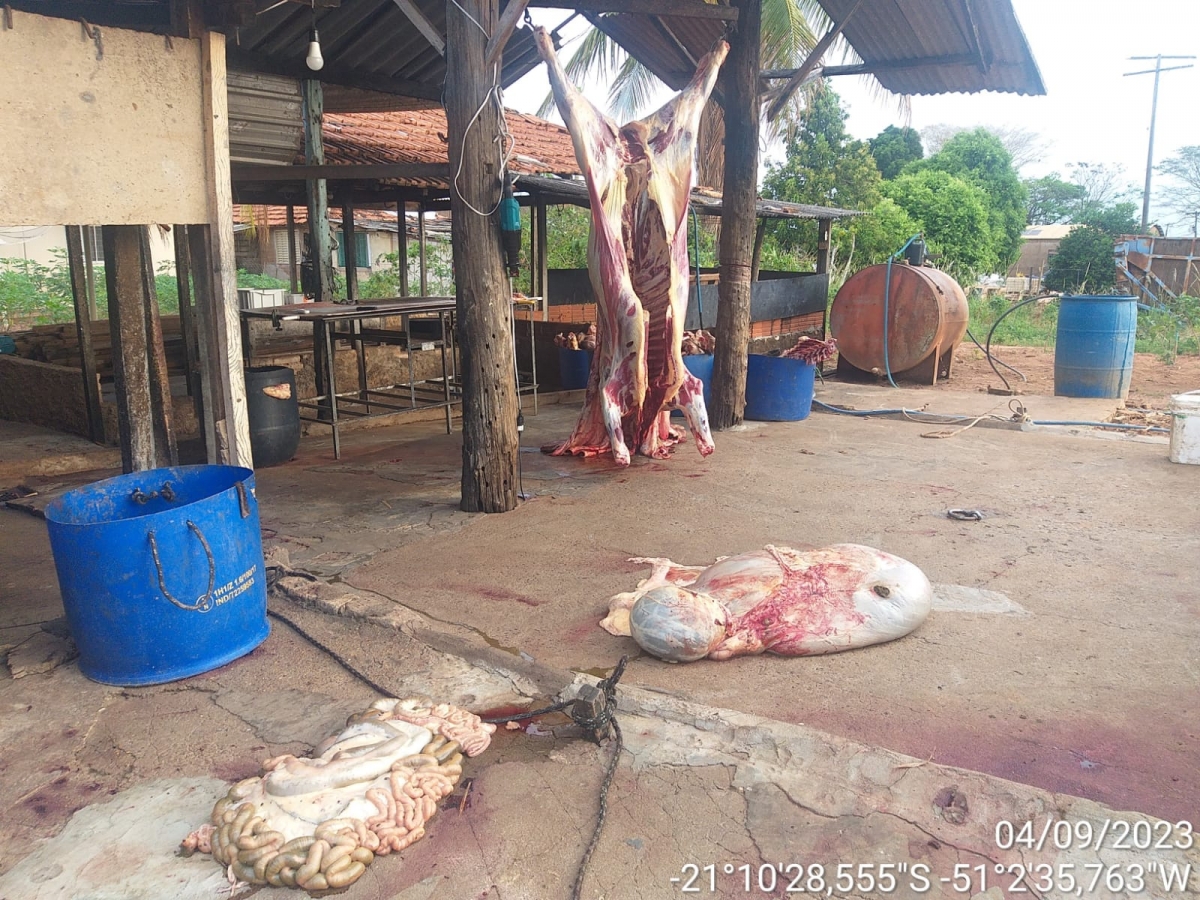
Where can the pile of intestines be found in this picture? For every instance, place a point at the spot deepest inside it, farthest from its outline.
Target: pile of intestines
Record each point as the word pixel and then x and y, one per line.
pixel 581 340
pixel 317 823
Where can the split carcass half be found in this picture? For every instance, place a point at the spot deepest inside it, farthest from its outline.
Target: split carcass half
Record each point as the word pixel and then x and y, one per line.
pixel 639 179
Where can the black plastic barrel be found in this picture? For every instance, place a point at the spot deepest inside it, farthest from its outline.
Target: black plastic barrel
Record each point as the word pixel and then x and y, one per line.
pixel 274 414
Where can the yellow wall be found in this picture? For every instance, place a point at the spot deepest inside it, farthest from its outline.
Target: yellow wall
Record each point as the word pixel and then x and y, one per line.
pixel 114 140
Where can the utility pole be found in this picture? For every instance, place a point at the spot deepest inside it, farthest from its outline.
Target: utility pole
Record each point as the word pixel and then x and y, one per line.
pixel 1157 70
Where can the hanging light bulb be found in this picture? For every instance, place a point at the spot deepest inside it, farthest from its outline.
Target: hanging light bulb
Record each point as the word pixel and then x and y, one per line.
pixel 314 60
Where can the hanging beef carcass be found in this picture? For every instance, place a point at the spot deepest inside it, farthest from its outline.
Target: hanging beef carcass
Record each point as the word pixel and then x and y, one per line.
pixel 639 179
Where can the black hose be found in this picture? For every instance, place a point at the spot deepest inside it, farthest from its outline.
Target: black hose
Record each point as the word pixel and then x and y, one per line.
pixel 988 348
pixel 975 341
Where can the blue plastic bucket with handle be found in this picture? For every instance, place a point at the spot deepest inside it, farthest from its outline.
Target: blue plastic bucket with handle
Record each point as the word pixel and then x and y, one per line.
pixel 161 572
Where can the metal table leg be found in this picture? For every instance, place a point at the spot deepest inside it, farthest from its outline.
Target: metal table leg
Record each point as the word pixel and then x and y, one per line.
pixel 361 350
pixel 331 379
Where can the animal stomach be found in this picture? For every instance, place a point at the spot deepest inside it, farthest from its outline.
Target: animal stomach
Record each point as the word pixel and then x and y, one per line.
pixel 776 600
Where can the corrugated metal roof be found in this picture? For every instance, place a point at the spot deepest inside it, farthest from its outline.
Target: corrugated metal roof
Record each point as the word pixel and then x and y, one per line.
pixel 367 44
pixel 265 124
pixel 888 35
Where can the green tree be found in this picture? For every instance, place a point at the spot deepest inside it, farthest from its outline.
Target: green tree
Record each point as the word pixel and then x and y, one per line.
pixel 1051 199
pixel 823 166
pixel 1083 262
pixel 894 148
pixel 879 234
pixel 1119 218
pixel 980 157
pixel 953 213
pixel 1183 192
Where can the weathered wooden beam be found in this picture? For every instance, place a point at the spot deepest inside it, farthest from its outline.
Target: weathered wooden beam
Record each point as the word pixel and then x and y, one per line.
pixel 697 9
pixel 188 326
pixel 740 75
pixel 508 22
pixel 293 262
pixel 78 266
pixel 233 430
pixel 350 252
pixel 127 328
pixel 810 63
pixel 756 256
pixel 489 469
pixel 166 452
pixel 352 172
pixel 212 397
pixel 824 240
pixel 423 25
pixel 402 245
pixel 319 247
pixel 543 278
pixel 422 240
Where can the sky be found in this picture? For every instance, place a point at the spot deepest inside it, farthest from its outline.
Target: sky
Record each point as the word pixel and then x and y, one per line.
pixel 1090 113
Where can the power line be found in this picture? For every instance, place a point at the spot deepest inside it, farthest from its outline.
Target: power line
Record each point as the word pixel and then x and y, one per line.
pixel 1157 70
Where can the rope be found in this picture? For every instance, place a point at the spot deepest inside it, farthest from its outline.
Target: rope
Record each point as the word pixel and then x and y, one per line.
pixel 597 725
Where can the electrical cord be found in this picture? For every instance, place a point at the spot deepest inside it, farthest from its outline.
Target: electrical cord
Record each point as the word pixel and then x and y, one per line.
pixel 991 331
pixel 887 296
pixel 1012 369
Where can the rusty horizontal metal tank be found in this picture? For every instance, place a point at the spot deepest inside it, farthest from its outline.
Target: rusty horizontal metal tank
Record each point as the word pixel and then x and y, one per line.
pixel 926 320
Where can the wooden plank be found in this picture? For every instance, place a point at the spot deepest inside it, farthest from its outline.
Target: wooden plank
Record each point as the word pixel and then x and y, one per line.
pixel 233 430
pixel 244 172
pixel 740 75
pixel 810 63
pixel 402 239
pixel 489 470
pixel 697 9
pixel 166 452
pixel 543 279
pixel 350 252
pixel 421 241
pixel 756 256
pixel 319 247
pixel 824 239
pixel 508 22
pixel 77 261
pixel 212 397
pixel 423 25
pixel 293 262
pixel 185 323
pixel 89 232
pixel 127 324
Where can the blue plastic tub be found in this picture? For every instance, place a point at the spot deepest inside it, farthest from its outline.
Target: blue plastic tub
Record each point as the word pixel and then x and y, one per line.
pixel 778 389
pixel 1093 350
pixel 161 572
pixel 573 368
pixel 700 365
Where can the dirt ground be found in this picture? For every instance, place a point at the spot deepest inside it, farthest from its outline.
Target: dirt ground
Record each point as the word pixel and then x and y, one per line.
pixel 1154 381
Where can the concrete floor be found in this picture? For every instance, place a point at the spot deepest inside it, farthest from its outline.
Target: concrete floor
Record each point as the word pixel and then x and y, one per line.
pixel 1087 687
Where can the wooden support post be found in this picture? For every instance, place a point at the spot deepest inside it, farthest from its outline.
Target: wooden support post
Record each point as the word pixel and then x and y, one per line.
pixel 212 398
pixel 737 217
pixel 293 262
pixel 402 245
pixel 77 261
pixel 166 453
pixel 543 290
pixel 89 233
pixel 127 326
pixel 756 257
pixel 319 247
pixel 824 235
pixel 489 471
pixel 350 252
pixel 224 350
pixel 421 250
pixel 187 326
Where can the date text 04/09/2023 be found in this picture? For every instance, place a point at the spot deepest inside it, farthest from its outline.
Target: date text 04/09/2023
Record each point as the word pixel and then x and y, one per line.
pixel 1078 879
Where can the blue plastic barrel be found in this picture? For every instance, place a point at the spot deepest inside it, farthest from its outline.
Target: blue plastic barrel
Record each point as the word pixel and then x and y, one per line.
pixel 778 389
pixel 161 572
pixel 1093 352
pixel 700 365
pixel 573 368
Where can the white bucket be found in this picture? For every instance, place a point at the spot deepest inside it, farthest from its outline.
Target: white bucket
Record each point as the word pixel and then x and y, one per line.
pixel 1185 428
